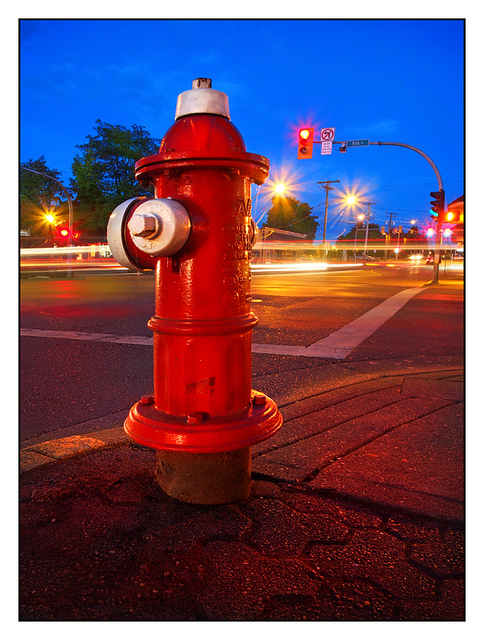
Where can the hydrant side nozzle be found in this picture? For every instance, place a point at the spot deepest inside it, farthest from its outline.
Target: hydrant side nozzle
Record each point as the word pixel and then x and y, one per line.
pixel 117 237
pixel 160 227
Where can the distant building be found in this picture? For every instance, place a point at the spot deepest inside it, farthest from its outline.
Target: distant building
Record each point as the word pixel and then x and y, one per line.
pixel 275 245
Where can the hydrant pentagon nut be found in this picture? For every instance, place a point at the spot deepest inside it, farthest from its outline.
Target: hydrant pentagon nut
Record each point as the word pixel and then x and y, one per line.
pixel 142 225
pixel 160 227
pixel 201 98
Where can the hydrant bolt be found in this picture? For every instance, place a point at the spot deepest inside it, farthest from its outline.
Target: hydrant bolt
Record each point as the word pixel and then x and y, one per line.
pixel 259 400
pixel 195 418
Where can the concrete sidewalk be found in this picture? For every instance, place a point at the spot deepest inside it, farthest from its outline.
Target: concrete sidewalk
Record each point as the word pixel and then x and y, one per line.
pixel 356 513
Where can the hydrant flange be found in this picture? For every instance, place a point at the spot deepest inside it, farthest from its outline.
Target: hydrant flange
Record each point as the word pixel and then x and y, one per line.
pixel 198 433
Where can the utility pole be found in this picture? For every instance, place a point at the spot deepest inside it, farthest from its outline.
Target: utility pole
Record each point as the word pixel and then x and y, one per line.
pixel 327 188
pixel 391 215
pixel 367 224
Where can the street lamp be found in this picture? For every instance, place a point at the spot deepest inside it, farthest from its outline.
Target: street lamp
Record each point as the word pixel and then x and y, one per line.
pixel 279 189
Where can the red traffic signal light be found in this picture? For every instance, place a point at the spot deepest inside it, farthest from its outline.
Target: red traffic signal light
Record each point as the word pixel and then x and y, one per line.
pixel 305 143
pixel 62 232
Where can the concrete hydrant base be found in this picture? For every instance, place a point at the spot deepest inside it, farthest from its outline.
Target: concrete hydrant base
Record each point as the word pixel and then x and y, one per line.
pixel 205 478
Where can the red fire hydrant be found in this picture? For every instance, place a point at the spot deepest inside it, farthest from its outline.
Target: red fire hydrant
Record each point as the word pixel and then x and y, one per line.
pixel 197 233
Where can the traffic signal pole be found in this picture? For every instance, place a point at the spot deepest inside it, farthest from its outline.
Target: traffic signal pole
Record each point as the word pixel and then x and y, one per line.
pixel 435 279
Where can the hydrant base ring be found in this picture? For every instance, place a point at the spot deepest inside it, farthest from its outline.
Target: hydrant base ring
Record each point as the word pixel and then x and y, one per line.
pixel 237 430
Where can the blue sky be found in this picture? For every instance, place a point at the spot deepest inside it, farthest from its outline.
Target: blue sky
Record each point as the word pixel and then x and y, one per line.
pixel 382 80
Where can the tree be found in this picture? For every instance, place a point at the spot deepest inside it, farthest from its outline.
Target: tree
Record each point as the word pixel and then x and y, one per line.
pixel 104 170
pixel 374 232
pixel 358 233
pixel 291 215
pixel 39 196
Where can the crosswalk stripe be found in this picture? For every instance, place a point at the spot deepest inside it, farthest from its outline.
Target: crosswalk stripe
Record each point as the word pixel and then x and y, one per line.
pixel 336 346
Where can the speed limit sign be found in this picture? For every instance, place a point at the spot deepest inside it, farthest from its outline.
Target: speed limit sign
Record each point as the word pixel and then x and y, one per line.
pixel 327 137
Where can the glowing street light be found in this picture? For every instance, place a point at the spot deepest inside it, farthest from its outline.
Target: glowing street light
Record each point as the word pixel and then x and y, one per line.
pixel 351 200
pixel 49 217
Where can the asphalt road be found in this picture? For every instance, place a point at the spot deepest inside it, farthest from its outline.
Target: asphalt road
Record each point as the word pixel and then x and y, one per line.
pixel 69 379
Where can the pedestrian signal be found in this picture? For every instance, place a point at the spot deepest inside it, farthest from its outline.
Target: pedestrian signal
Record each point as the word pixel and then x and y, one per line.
pixel 452 216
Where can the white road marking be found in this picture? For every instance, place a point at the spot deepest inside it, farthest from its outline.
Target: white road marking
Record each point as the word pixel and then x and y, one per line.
pixel 340 343
pixel 336 346
pixel 278 349
pixel 86 335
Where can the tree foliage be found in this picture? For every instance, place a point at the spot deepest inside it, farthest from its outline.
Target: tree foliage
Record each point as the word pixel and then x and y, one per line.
pixel 290 214
pixel 39 195
pixel 104 170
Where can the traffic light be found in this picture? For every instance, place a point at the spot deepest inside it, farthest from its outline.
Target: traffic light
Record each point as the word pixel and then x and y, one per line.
pixel 305 143
pixel 437 205
pixel 62 232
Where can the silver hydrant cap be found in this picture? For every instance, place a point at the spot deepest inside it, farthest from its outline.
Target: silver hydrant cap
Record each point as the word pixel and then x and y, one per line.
pixel 202 99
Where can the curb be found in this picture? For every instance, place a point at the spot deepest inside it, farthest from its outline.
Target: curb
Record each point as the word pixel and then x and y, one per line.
pixel 45 453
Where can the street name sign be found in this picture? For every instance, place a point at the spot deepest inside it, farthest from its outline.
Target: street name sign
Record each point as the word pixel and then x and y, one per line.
pixel 327 137
pixel 358 143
